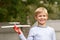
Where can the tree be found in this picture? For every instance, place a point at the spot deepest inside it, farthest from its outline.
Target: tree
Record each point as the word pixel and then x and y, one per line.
pixel 18 10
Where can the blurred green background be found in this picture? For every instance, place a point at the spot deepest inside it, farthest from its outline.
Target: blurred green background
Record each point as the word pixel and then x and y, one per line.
pixel 23 10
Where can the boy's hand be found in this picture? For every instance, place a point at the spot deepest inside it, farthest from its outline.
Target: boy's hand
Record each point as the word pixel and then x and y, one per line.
pixel 18 30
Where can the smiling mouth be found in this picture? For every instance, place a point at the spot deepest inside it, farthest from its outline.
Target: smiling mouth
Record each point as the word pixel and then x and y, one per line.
pixel 42 20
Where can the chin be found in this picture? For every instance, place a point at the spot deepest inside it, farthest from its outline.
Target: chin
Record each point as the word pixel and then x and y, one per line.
pixel 42 23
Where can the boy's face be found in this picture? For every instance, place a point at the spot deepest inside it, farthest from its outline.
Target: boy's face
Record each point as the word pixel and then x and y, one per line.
pixel 41 18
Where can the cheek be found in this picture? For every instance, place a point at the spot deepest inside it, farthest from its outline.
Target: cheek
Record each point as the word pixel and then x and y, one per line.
pixel 46 16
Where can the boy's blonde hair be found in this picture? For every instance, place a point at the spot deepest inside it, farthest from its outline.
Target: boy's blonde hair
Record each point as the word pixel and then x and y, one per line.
pixel 40 10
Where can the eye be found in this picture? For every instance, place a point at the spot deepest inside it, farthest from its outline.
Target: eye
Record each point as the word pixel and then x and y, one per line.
pixel 44 15
pixel 40 15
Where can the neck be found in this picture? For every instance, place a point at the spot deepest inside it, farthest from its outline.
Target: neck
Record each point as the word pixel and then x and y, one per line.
pixel 41 25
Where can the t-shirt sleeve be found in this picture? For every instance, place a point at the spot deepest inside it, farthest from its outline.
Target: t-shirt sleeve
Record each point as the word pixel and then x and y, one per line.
pixel 31 34
pixel 53 35
pixel 22 37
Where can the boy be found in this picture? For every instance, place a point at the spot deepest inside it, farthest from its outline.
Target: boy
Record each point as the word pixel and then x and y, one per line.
pixel 40 31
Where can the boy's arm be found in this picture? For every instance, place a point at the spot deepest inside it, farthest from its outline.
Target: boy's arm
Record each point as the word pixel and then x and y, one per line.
pixel 22 37
pixel 18 30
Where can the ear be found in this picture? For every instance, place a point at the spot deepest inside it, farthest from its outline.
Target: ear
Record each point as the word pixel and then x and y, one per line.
pixel 35 18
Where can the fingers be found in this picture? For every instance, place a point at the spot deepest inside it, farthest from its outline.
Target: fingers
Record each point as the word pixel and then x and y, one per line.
pixel 17 29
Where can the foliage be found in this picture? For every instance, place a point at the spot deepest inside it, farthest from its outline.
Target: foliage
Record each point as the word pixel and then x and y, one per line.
pixel 18 10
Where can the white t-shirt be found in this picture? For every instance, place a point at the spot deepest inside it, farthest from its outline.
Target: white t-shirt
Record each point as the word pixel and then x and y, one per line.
pixel 40 33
